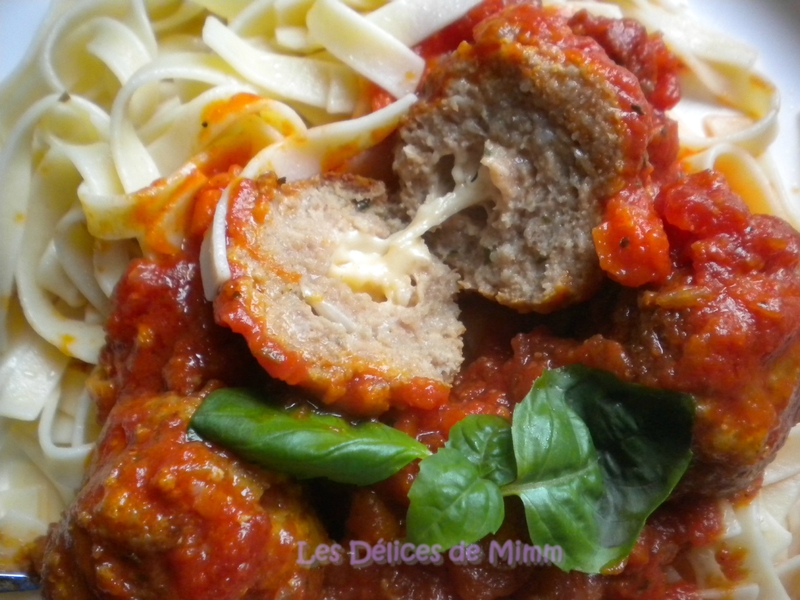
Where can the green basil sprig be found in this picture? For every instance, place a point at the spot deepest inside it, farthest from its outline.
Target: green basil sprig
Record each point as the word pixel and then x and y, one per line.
pixel 591 458
pixel 303 443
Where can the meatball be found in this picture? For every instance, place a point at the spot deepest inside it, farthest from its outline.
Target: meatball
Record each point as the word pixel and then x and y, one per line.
pixel 560 128
pixel 161 516
pixel 310 327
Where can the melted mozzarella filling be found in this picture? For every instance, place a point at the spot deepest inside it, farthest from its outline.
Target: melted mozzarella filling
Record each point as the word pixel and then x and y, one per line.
pixel 384 268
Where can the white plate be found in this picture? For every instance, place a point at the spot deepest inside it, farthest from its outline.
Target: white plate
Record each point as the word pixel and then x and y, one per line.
pixel 19 20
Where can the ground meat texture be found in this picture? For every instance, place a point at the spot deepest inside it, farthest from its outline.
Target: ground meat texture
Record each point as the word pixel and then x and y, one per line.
pixel 160 516
pixel 560 128
pixel 369 354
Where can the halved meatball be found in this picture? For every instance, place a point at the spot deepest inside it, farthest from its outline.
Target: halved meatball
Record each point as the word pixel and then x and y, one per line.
pixel 560 128
pixel 308 326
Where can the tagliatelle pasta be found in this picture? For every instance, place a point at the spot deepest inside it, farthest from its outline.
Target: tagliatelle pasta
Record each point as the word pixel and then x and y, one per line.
pixel 114 120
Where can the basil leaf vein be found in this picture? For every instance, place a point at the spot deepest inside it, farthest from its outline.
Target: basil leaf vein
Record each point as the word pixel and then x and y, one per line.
pixel 450 502
pixel 485 440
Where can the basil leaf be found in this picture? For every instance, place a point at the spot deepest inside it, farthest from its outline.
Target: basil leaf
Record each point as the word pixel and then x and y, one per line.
pixel 485 440
pixel 451 503
pixel 595 456
pixel 304 444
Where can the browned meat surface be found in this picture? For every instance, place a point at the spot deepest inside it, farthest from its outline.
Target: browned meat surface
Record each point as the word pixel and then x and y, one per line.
pixel 560 128
pixel 312 329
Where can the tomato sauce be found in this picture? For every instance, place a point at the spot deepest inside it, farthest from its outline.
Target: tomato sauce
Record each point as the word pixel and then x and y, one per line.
pixel 627 43
pixel 162 337
pixel 162 516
